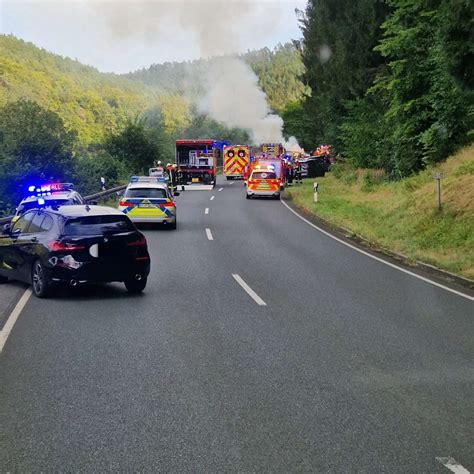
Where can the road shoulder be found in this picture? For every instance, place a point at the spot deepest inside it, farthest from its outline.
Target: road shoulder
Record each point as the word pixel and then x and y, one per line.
pixel 426 271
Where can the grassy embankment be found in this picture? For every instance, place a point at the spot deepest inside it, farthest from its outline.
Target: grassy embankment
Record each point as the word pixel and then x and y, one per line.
pixel 402 216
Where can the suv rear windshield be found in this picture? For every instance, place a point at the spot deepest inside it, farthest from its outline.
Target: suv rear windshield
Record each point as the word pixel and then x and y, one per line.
pixel 146 193
pixel 98 225
pixel 263 175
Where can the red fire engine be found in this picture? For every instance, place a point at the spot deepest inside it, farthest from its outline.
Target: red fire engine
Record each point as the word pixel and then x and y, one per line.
pixel 197 162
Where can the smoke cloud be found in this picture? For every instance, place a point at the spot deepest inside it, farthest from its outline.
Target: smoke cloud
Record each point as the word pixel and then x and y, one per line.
pixel 233 96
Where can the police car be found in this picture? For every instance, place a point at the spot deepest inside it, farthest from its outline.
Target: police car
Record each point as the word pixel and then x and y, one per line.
pixel 147 199
pixel 48 195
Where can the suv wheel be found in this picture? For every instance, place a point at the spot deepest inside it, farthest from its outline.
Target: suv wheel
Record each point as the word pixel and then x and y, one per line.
pixel 40 281
pixel 135 286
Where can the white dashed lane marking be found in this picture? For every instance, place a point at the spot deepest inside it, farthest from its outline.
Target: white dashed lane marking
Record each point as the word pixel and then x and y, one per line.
pixel 220 189
pixel 209 234
pixel 212 198
pixel 249 290
pixel 452 465
pixel 206 211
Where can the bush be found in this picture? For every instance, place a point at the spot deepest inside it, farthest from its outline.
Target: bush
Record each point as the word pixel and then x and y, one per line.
pixel 344 172
pixel 371 179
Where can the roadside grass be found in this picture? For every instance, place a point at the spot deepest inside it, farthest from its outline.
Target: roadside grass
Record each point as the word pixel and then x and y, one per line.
pixel 402 216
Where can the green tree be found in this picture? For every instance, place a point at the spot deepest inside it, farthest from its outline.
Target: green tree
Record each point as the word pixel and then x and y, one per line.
pixel 337 49
pixel 429 104
pixel 34 145
pixel 133 146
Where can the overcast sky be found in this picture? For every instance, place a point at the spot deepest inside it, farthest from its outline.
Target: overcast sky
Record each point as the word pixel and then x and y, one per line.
pixel 125 35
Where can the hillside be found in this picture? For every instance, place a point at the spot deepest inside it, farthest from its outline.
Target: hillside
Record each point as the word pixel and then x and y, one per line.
pixel 278 71
pixel 402 216
pixel 88 101
pixel 94 103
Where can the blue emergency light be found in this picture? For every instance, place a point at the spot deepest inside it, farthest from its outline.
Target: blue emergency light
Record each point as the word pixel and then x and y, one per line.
pixel 44 189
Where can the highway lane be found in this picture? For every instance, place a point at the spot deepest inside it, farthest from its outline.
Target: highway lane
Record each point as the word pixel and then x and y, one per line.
pixel 351 365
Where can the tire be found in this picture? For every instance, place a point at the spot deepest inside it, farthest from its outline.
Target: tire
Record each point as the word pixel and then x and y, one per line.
pixel 135 286
pixel 277 197
pixel 39 280
pixel 3 279
pixel 247 196
pixel 174 225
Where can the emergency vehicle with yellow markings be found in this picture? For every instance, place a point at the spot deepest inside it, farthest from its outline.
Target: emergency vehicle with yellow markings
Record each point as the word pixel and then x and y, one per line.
pixel 235 159
pixel 147 199
pixel 272 150
pixel 263 180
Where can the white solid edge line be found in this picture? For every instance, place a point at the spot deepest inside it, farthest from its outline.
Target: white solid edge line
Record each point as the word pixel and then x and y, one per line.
pixel 249 290
pixel 220 189
pixel 408 272
pixel 212 197
pixel 5 332
pixel 209 234
pixel 452 465
pixel 206 211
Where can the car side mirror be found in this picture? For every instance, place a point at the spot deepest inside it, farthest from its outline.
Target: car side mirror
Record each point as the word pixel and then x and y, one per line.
pixel 7 229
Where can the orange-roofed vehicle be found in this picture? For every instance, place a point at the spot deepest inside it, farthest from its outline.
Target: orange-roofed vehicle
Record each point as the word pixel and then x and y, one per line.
pixel 264 180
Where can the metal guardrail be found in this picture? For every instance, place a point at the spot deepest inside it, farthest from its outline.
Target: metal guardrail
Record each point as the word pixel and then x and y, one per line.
pixel 102 194
pixel 92 197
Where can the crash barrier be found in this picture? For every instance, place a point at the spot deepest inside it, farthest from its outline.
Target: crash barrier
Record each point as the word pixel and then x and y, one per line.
pixel 87 199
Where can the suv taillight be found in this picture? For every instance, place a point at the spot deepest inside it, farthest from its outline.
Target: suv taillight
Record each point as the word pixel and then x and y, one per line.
pixel 141 242
pixel 57 246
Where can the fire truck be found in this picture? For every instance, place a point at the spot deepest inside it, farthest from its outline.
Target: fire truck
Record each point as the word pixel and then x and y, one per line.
pixel 273 150
pixel 197 163
pixel 236 158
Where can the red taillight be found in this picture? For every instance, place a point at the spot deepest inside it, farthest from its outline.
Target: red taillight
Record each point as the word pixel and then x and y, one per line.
pixel 168 204
pixel 125 203
pixel 57 246
pixel 141 242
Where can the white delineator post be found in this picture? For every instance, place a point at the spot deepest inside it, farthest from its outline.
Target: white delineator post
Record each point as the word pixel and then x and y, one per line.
pixel 315 191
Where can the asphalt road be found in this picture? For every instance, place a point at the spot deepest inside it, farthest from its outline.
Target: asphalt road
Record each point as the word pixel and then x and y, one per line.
pixel 350 366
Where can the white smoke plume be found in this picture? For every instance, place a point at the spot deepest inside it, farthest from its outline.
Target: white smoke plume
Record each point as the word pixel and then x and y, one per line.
pixel 233 96
pixel 235 99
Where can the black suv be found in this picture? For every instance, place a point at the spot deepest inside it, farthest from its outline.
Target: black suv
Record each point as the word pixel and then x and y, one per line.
pixel 74 244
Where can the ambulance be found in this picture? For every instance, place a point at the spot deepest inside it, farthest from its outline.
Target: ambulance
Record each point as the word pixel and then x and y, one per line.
pixel 147 199
pixel 263 180
pixel 235 159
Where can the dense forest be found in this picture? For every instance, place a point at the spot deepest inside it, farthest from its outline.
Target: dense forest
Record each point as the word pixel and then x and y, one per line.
pixel 391 80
